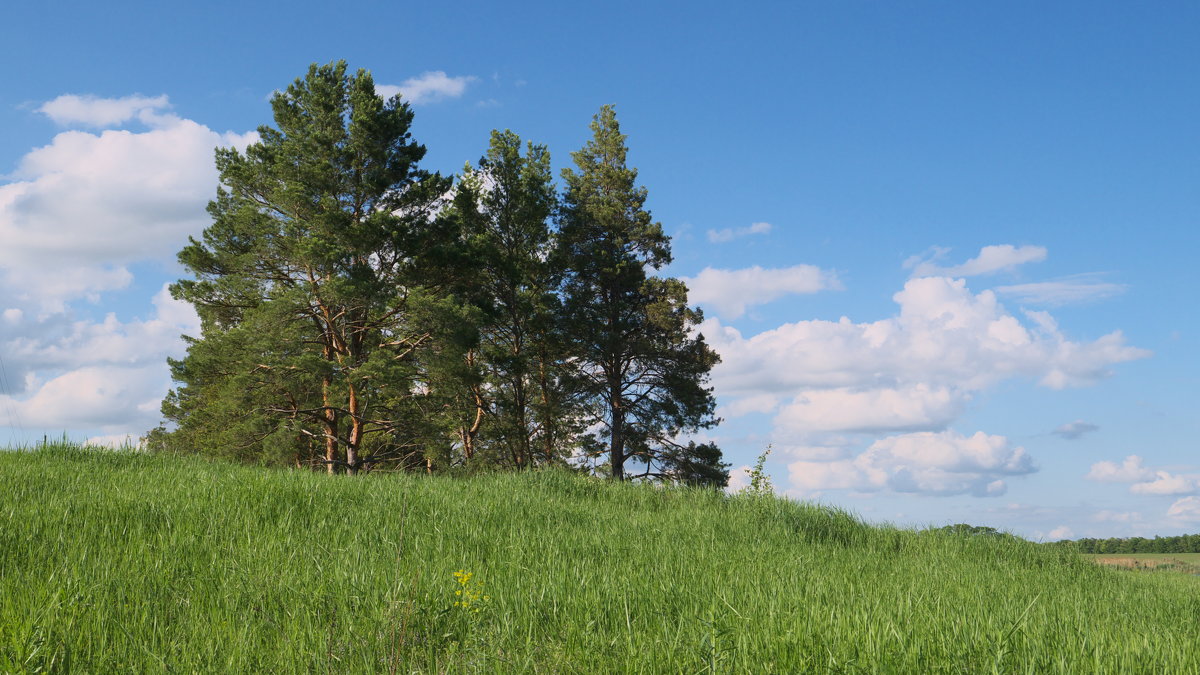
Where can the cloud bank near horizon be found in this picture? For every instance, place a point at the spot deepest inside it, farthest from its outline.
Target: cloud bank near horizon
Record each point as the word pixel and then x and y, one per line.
pixel 77 217
pixel 898 384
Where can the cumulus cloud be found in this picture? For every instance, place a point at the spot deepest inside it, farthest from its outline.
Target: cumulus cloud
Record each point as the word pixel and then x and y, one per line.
pixel 739 479
pixel 84 374
pixel 730 292
pixel 1059 533
pixel 833 386
pixel 1164 483
pixel 1106 516
pixel 942 463
pixel 1186 509
pixel 762 403
pixel 96 396
pixel 113 441
pixel 730 233
pixel 1145 480
pixel 945 344
pixel 55 341
pixel 76 216
pixel 991 259
pixel 1075 430
pixel 428 87
pixel 833 449
pixel 1058 292
pixel 87 205
pixel 1129 471
pixel 873 410
pixel 94 111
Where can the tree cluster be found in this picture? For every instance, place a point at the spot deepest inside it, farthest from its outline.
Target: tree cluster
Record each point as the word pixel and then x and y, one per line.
pixel 966 529
pixel 1184 543
pixel 358 311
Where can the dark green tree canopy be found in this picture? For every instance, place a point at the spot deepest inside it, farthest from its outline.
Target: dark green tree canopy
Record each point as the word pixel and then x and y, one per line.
pixel 304 281
pixel 357 309
pixel 514 409
pixel 637 364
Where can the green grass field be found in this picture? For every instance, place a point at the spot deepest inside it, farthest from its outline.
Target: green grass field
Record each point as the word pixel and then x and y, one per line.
pixel 120 562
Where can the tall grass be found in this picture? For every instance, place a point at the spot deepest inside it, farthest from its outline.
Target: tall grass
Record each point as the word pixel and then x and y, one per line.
pixel 126 562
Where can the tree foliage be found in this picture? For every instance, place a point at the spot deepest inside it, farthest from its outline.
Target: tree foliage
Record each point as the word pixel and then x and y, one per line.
pixel 305 280
pixel 637 364
pixel 1184 543
pixel 516 411
pixel 357 309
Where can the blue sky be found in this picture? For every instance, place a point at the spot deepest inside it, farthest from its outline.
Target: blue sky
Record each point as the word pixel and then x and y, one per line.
pixel 1001 199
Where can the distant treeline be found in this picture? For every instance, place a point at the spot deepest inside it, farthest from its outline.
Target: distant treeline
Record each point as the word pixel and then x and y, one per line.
pixel 1184 543
pixel 974 530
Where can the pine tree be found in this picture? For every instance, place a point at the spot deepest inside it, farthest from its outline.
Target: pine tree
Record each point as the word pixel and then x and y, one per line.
pixel 307 284
pixel 504 206
pixel 638 367
pixel 696 464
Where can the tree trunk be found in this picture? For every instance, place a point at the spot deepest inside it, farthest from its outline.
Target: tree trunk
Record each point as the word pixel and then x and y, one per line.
pixel 523 443
pixel 356 433
pixel 331 427
pixel 468 434
pixel 548 434
pixel 617 437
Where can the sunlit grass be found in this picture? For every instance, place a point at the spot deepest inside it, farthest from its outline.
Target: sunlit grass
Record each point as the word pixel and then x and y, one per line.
pixel 126 562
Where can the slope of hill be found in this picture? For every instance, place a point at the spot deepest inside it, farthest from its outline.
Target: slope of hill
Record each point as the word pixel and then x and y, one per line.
pixel 123 562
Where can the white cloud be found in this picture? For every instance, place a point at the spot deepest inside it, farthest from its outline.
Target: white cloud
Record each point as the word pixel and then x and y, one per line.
pixel 739 479
pixel 84 374
pixel 428 87
pixel 991 259
pixel 56 342
pixel 1186 509
pixel 113 441
pixel 763 403
pixel 95 111
pixel 873 410
pixel 1164 483
pixel 88 205
pixel 1145 481
pixel 75 218
pixel 1075 430
pixel 1129 471
pixel 942 464
pixel 729 233
pixel 1059 533
pixel 106 397
pixel 730 292
pixel 1058 292
pixel 834 449
pixel 811 477
pixel 1106 516
pixel 836 385
pixel 945 344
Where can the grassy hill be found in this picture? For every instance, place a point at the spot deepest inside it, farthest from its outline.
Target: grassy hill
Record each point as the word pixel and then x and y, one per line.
pixel 121 562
